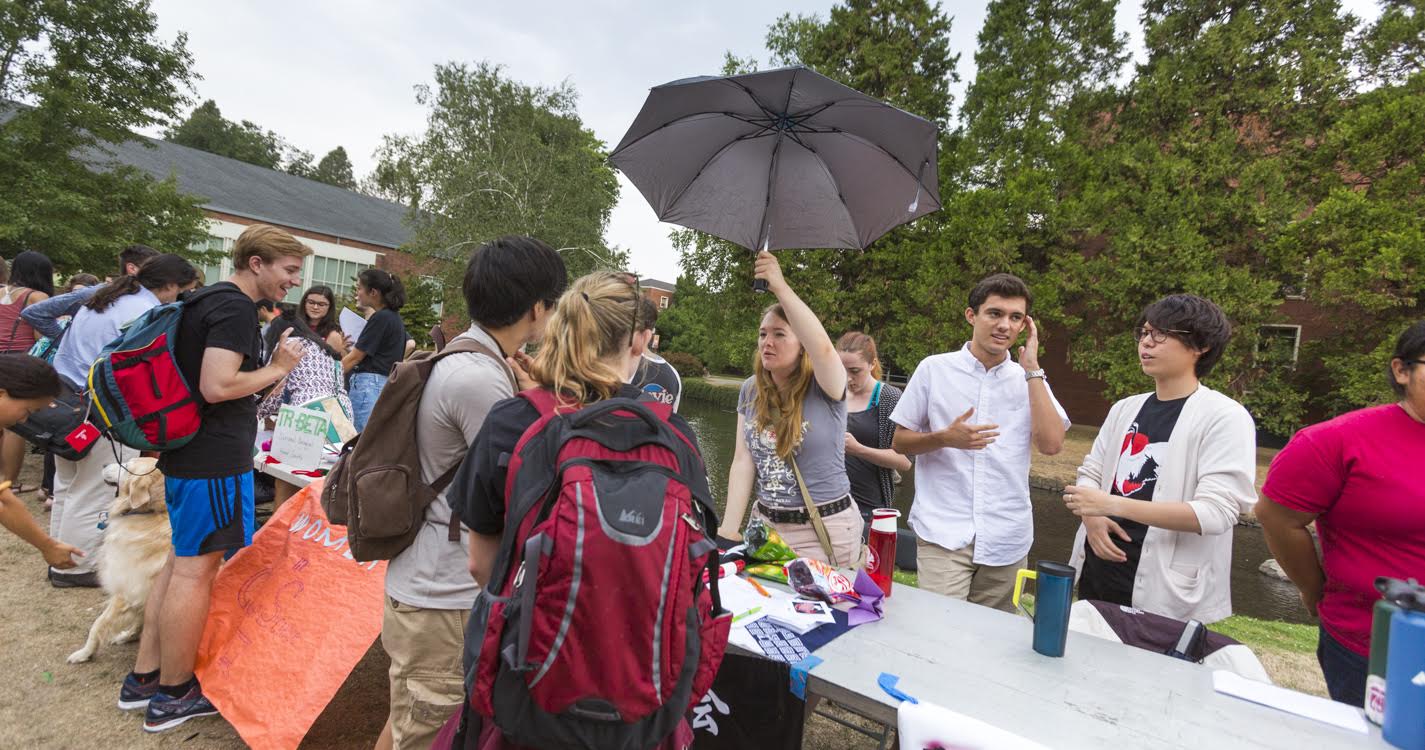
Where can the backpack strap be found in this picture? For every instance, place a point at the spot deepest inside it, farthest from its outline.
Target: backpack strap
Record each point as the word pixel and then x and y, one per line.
pixel 14 329
pixel 463 345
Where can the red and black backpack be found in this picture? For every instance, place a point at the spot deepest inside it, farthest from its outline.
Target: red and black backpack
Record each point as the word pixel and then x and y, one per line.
pixel 600 630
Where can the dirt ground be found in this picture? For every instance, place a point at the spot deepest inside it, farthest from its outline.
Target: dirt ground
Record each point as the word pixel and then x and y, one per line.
pixel 46 702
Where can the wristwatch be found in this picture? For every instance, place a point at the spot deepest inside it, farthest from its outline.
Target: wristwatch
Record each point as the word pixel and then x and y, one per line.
pixel 1032 374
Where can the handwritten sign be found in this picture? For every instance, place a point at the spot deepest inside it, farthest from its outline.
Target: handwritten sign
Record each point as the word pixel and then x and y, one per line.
pixel 300 437
pixel 291 617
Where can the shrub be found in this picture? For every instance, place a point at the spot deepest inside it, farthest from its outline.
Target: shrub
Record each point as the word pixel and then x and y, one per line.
pixel 687 365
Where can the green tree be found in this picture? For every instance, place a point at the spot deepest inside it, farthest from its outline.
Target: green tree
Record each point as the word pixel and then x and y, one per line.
pixel 1363 246
pixel 425 299
pixel 897 51
pixel 1043 66
pixel 335 169
pixel 500 157
pixel 1198 168
pixel 206 129
pixel 83 77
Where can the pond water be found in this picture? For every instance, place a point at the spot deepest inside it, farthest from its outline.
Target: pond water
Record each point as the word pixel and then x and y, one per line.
pixel 1253 593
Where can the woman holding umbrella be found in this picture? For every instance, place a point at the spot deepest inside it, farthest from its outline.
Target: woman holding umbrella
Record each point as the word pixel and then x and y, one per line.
pixel 791 418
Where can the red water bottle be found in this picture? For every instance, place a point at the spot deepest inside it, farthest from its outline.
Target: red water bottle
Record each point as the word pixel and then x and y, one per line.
pixel 881 556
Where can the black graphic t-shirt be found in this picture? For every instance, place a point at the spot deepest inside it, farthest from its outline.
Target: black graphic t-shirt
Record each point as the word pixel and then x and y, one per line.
pixel 1140 462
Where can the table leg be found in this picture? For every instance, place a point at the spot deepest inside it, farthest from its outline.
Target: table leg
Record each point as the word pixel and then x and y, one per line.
pixel 281 491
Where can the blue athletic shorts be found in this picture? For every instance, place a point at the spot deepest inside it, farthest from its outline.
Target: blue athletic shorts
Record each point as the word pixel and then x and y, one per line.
pixel 210 515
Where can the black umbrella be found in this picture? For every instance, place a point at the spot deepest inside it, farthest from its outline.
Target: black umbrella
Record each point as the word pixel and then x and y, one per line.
pixel 784 158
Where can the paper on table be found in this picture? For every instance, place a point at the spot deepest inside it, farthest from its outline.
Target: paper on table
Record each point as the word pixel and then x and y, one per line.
pixel 800 615
pixel 1301 704
pixel 352 324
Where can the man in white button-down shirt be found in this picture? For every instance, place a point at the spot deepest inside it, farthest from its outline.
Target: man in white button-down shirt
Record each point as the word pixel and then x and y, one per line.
pixel 971 416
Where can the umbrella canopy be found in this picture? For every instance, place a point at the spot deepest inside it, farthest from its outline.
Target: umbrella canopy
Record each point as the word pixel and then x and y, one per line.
pixel 784 158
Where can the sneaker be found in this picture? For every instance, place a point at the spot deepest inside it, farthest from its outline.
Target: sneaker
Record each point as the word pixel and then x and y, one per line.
pixel 136 693
pixel 88 580
pixel 166 712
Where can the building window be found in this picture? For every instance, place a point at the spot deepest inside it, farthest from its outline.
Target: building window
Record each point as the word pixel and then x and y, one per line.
pixel 215 271
pixel 1278 346
pixel 439 307
pixel 663 302
pixel 340 275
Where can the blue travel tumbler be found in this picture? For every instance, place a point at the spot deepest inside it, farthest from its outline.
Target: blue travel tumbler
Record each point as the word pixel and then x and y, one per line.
pixel 1053 593
pixel 1404 725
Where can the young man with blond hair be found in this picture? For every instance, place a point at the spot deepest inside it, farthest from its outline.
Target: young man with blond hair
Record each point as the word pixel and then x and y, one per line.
pixel 208 482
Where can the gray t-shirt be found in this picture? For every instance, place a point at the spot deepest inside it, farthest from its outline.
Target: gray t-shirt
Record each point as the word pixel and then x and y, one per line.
pixel 434 573
pixel 821 455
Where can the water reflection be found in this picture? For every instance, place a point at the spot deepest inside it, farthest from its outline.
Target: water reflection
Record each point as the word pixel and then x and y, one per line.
pixel 1253 594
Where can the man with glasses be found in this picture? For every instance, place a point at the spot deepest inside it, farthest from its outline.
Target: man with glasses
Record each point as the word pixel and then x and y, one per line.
pixel 1168 475
pixel 971 415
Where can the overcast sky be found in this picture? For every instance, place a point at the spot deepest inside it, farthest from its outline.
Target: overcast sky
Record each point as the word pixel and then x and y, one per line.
pixel 323 73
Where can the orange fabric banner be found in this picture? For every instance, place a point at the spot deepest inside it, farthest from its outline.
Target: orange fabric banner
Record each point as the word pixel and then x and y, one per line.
pixel 291 616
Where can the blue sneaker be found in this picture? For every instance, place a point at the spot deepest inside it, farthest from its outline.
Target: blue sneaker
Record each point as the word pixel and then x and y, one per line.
pixel 136 693
pixel 166 712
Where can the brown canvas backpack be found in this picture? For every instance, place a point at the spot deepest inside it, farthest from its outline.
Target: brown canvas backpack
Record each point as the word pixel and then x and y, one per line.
pixel 376 489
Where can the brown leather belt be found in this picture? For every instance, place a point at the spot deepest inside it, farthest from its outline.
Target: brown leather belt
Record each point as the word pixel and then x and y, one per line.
pixel 787 515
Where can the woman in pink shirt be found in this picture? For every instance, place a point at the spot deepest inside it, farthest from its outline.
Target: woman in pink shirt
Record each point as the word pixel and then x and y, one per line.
pixel 1357 476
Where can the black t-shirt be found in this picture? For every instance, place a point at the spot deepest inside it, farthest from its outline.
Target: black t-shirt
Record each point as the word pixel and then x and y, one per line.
pixel 222 318
pixel 1142 452
pixel 478 493
pixel 383 340
pixel 865 476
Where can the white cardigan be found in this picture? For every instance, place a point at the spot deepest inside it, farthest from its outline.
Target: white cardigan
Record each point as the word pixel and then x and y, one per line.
pixel 1211 465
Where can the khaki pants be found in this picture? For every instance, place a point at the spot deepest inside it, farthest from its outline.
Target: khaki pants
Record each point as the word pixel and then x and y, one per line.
pixel 81 497
pixel 427 684
pixel 843 528
pixel 954 573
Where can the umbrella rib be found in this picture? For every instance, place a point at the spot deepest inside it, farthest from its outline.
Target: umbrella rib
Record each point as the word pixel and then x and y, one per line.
pixel 879 147
pixel 678 120
pixel 841 196
pixel 763 235
pixel 696 175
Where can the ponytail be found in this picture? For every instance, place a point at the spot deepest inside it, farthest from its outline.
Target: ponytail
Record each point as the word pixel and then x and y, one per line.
pixel 156 273
pixel 591 324
pixel 111 292
pixel 392 291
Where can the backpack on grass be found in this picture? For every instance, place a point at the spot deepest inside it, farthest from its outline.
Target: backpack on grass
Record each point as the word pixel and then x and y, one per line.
pixel 376 489
pixel 599 629
pixel 139 394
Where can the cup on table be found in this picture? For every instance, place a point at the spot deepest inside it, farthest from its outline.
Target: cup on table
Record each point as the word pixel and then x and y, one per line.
pixel 1053 593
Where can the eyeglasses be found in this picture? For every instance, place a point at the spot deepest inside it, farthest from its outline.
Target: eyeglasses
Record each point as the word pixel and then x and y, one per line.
pixel 1413 362
pixel 1159 335
pixel 318 303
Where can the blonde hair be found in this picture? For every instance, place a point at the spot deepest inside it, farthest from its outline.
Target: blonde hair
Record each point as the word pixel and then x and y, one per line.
pixel 779 408
pixel 267 243
pixel 592 322
pixel 862 344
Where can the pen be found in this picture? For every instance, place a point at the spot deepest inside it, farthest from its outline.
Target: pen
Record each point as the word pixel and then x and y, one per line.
pixel 759 588
pixel 752 611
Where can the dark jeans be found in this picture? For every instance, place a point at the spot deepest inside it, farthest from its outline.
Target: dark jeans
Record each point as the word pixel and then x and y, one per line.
pixel 1345 671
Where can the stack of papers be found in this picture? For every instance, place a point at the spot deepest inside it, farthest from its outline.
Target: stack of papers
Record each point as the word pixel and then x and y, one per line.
pixel 800 615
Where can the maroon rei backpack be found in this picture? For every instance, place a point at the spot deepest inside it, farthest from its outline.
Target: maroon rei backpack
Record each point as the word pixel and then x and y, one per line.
pixel 600 630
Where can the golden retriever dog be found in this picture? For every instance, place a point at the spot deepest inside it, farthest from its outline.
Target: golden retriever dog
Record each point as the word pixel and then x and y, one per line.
pixel 136 545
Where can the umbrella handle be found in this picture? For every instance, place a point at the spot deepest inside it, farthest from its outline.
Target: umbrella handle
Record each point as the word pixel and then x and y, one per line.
pixel 759 285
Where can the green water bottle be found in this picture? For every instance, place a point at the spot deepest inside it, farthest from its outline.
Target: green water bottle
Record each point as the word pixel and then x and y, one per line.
pixel 1375 672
